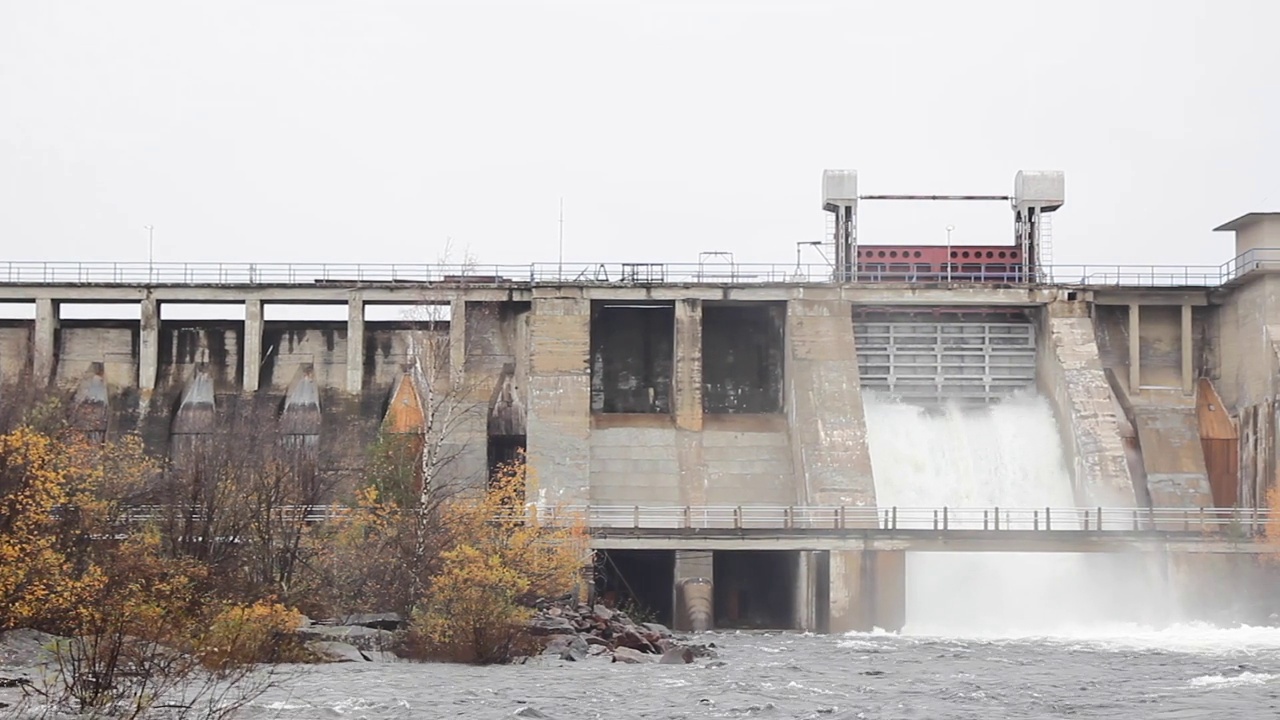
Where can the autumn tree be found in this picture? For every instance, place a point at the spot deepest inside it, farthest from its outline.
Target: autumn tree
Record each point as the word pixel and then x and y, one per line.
pixel 479 603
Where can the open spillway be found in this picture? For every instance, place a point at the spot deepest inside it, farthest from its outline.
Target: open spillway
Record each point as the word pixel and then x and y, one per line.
pixel 1008 455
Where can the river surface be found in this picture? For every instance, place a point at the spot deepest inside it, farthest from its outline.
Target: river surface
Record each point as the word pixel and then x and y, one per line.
pixel 1184 672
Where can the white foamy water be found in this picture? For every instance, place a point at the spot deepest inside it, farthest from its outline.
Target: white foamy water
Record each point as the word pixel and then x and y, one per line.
pixel 1007 455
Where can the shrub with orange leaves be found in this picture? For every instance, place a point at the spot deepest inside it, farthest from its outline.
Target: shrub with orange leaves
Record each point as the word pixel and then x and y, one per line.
pixel 478 605
pixel 261 632
pixel 42 504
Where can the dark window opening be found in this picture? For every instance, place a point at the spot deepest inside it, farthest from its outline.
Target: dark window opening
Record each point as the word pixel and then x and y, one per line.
pixel 742 357
pixel 632 357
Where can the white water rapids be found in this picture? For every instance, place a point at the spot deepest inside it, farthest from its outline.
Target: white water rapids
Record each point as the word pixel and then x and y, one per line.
pixel 1007 455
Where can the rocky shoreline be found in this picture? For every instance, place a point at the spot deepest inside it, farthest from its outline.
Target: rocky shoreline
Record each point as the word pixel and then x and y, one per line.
pixel 560 629
pixel 577 632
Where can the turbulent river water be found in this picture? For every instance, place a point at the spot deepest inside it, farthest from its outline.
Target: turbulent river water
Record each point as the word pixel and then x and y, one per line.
pixel 1125 672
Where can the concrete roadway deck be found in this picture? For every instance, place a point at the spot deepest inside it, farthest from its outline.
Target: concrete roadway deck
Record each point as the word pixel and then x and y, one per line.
pixel 1038 541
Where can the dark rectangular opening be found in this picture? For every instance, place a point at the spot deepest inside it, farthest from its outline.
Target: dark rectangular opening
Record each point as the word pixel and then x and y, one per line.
pixel 638 582
pixel 755 589
pixel 742 357
pixel 632 356
pixel 504 449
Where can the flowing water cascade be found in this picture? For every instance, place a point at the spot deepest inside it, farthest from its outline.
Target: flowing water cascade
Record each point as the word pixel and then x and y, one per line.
pixel 1006 455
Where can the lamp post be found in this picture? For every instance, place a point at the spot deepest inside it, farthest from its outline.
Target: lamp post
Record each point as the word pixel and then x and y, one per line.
pixel 949 229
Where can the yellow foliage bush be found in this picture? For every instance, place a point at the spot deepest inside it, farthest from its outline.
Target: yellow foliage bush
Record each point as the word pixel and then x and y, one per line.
pixel 261 632
pixel 477 606
pixel 41 500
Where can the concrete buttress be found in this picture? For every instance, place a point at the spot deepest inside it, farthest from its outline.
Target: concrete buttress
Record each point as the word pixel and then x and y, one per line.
pixel 824 405
pixel 688 402
pixel 1071 375
pixel 560 400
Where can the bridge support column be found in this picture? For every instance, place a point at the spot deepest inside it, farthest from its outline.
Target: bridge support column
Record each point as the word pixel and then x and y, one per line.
pixel 868 590
pixel 252 344
pixel 355 344
pixel 458 341
pixel 43 349
pixel 1188 374
pixel 148 348
pixel 1135 349
pixel 694 591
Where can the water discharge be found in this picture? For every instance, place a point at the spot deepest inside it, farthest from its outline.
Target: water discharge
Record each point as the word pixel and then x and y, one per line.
pixel 1006 455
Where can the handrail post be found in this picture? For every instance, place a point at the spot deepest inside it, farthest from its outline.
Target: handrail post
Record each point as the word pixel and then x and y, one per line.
pixel 842 517
pixel 1254 523
pixel 1047 523
pixel 790 519
pixel 945 523
pixel 533 515
pixel 835 516
pixel 935 520
pixel 688 517
pixel 1135 520
pixel 1201 518
pixel 635 517
pixel 895 518
pixel 1099 519
pixel 1086 519
pixel 997 517
pixel 1035 519
pixel 984 519
pixel 737 518
pixel 1186 520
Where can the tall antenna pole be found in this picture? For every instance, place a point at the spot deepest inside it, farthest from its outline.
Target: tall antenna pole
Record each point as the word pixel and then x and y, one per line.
pixel 151 252
pixel 560 266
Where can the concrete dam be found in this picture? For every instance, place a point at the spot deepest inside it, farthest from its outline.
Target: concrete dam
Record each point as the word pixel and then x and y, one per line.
pixel 891 376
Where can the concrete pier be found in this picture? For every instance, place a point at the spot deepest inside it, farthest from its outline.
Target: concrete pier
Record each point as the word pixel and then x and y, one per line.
pixel 42 341
pixel 868 590
pixel 252 344
pixel 355 343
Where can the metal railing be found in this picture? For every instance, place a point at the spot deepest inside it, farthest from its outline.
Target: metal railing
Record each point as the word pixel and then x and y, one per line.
pixel 1241 523
pixel 730 273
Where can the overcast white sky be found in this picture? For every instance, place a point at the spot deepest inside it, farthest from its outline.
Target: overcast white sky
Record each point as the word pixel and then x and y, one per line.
pixel 344 131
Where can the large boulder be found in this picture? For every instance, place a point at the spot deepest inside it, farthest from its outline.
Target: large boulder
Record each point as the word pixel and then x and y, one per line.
pixel 336 651
pixel 657 628
pixel 680 655
pixel 568 647
pixel 552 626
pixel 632 657
pixel 26 648
pixel 635 641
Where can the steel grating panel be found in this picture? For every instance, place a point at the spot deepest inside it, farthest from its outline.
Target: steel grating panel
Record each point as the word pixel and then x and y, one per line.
pixel 938 362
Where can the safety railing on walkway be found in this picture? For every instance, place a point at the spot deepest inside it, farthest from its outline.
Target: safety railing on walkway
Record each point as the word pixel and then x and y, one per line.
pixel 729 273
pixel 1238 522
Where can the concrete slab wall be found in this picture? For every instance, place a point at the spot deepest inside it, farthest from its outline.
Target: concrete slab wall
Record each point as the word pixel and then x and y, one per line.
pixel 288 347
pixel 1172 454
pixel 15 350
pixel 824 405
pixel 746 460
pixel 82 345
pixel 1070 374
pixel 560 399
